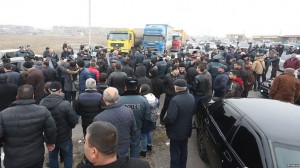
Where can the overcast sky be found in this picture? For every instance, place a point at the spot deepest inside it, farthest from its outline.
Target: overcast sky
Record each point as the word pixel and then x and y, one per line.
pixel 201 17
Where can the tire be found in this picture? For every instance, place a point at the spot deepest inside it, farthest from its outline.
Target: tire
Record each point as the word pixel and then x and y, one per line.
pixel 200 144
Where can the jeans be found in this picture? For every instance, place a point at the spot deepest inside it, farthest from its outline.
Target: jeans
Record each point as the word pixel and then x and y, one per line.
pixel 66 148
pixel 257 81
pixel 135 145
pixel 178 152
pixel 146 139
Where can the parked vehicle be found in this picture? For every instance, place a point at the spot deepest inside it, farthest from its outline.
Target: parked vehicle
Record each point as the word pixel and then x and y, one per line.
pixel 125 40
pixel 178 39
pixel 254 133
pixel 157 36
pixel 212 45
pixel 8 53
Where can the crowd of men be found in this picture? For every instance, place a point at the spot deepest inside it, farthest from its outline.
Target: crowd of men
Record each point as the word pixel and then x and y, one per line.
pixel 120 93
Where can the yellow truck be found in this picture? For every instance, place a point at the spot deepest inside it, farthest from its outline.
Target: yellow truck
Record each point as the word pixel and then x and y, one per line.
pixel 125 40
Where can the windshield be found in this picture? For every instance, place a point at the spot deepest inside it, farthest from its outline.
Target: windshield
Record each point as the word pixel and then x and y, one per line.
pixel 176 38
pixel 152 39
pixel 286 155
pixel 118 36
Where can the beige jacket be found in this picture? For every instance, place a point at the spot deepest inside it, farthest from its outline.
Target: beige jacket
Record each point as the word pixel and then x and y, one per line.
pixel 258 66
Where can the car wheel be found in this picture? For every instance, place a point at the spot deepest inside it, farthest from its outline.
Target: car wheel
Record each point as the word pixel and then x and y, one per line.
pixel 200 145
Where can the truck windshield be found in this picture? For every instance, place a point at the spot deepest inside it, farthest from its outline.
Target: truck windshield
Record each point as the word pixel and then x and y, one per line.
pixel 118 36
pixel 176 38
pixel 286 155
pixel 153 39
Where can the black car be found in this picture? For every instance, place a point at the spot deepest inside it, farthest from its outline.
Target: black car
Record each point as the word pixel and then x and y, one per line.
pixel 265 87
pixel 254 133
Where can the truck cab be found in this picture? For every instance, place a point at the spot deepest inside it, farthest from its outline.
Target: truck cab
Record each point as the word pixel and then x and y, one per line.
pixel 157 36
pixel 123 40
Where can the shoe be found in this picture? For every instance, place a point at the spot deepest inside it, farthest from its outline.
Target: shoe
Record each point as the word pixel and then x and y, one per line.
pixel 143 153
pixel 149 147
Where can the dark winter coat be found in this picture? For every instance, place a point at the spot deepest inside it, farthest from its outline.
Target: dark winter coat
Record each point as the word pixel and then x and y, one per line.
pixel 161 68
pixel 140 73
pixel 179 116
pixel 139 106
pixel 212 68
pixel 168 83
pixel 35 78
pixel 158 87
pixel 117 79
pixel 13 78
pixel 25 127
pixel 220 83
pixel 202 85
pixel 50 74
pixel 128 70
pixel 88 105
pixel 122 162
pixel 285 88
pixel 8 93
pixel 123 119
pixel 63 114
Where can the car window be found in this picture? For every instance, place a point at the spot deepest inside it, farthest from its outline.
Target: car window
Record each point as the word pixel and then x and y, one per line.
pixel 246 148
pixel 224 116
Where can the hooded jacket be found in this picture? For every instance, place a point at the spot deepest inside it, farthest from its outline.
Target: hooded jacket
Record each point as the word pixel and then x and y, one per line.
pixel 25 127
pixel 63 114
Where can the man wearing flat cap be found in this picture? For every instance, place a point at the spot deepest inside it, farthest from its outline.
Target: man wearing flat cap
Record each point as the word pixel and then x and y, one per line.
pixel 178 121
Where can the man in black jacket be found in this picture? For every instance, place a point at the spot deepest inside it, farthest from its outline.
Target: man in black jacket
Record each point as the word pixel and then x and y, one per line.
pixel 24 135
pixel 100 148
pixel 8 92
pixel 88 104
pixel 66 119
pixel 178 122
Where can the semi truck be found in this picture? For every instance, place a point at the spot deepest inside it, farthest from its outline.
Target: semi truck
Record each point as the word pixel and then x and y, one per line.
pixel 178 39
pixel 124 40
pixel 157 36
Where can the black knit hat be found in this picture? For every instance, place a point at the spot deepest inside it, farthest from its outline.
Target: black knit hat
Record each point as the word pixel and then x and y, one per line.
pixel 180 83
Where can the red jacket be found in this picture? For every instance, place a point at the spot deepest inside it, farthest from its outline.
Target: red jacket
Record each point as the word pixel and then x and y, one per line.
pixel 94 70
pixel 292 63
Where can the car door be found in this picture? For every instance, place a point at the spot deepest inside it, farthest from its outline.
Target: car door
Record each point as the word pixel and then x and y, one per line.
pixel 218 122
pixel 247 146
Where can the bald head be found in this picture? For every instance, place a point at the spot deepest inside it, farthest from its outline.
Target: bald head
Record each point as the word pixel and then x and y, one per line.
pixel 111 95
pixel 289 71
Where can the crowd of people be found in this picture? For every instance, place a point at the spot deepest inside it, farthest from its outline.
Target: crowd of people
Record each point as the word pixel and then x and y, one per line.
pixel 117 97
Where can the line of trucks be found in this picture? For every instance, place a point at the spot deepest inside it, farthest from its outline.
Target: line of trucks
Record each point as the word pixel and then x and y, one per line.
pixel 159 37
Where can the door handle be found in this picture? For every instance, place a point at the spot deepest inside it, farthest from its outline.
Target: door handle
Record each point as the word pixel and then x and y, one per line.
pixel 206 120
pixel 227 156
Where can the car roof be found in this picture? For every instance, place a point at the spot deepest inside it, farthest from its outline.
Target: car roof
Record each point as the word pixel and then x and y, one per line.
pixel 278 120
pixel 9 50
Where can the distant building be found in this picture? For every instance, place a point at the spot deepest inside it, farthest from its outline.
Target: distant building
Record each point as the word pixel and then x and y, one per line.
pixel 290 38
pixel 262 38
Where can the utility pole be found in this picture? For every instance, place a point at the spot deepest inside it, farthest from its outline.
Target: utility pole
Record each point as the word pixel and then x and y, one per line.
pixel 90 23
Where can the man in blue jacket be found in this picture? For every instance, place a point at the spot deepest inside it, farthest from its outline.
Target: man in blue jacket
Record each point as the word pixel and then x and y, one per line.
pixel 178 121
pixel 84 74
pixel 221 81
pixel 141 109
pixel 120 116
